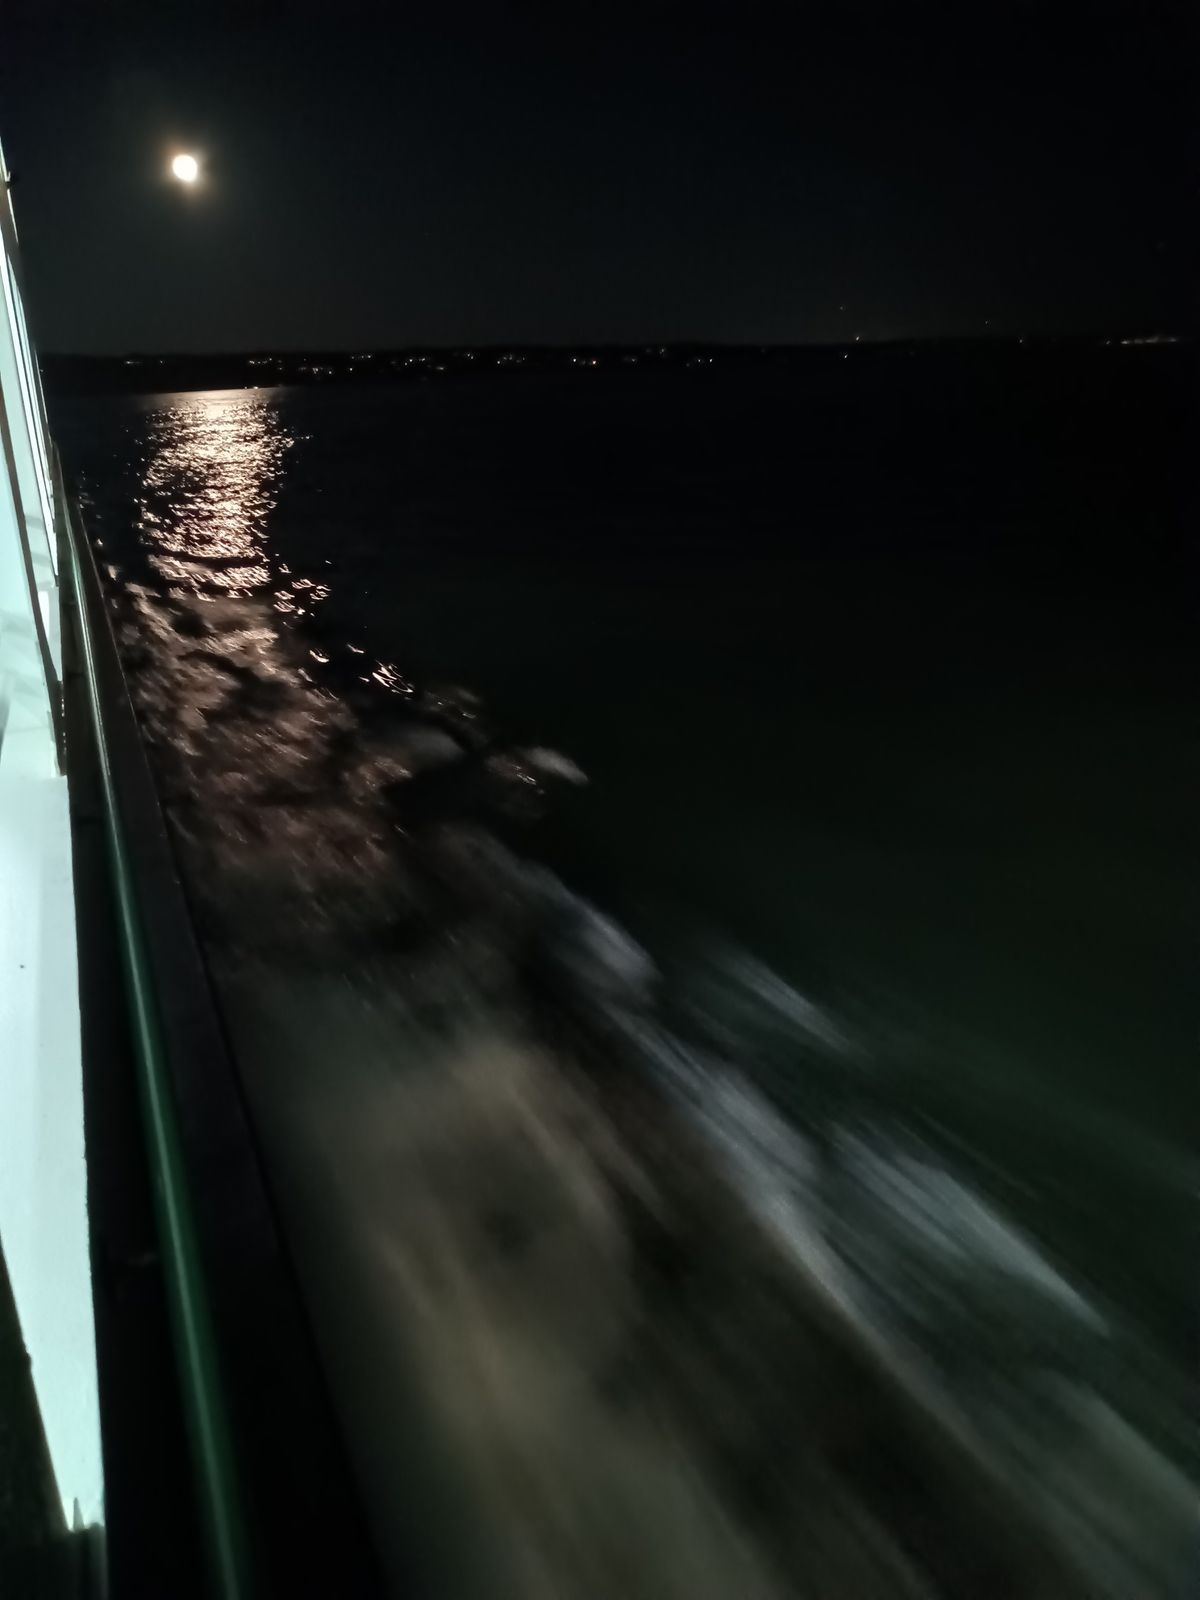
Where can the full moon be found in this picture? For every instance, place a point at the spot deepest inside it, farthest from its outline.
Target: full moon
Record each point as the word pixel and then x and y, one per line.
pixel 186 168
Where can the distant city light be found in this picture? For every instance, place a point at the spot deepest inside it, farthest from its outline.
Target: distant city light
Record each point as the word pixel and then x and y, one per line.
pixel 186 168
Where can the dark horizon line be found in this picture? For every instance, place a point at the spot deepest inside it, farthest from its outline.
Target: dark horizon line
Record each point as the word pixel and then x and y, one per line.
pixel 613 346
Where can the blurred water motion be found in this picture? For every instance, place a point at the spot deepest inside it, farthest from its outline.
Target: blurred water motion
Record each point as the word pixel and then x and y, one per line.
pixel 671 1277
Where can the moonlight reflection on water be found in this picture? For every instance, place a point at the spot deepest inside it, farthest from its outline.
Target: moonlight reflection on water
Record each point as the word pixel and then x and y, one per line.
pixel 668 1256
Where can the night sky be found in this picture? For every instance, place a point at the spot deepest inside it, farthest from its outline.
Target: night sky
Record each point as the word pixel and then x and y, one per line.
pixel 465 173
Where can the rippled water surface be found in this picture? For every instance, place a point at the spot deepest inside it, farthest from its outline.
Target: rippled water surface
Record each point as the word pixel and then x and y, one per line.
pixel 691 867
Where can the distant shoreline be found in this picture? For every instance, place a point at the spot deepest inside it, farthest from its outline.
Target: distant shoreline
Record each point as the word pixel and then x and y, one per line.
pixel 137 373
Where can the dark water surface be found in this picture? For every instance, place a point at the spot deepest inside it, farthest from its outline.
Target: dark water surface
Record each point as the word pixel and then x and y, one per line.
pixel 693 866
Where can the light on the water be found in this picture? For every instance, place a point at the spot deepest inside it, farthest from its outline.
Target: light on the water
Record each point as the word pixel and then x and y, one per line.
pixel 186 168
